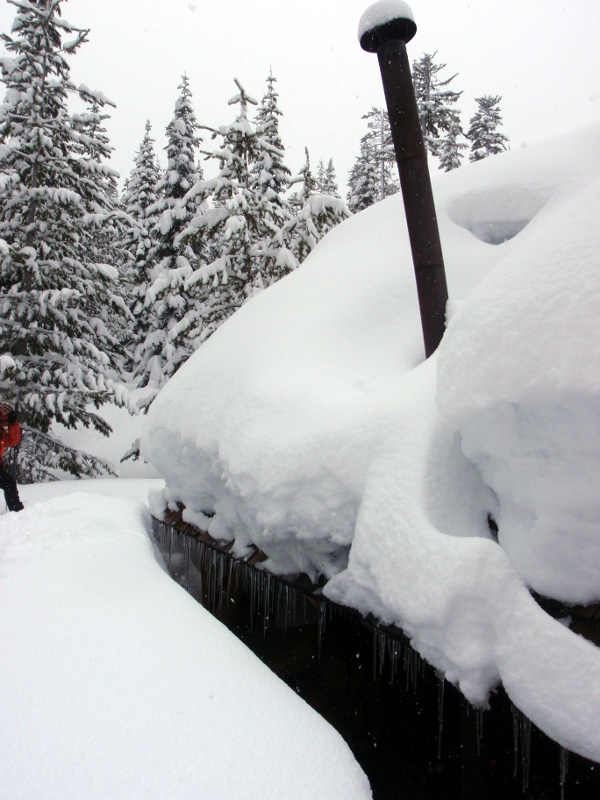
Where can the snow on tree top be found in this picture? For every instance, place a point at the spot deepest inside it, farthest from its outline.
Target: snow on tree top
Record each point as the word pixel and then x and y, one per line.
pixel 95 95
pixel 242 97
pixel 382 12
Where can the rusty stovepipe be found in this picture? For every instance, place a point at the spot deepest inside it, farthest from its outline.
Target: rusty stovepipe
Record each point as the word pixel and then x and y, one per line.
pixel 385 28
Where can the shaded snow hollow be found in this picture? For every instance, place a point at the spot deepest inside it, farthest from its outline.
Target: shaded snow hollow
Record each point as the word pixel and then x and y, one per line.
pixel 309 425
pixel 116 684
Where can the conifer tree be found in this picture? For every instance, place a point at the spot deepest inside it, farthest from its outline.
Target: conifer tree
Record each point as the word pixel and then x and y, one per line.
pixel 57 295
pixel 363 183
pixel 269 181
pixel 330 186
pixel 140 197
pixel 486 140
pixel 318 214
pixel 110 234
pixel 436 102
pixel 308 182
pixel 270 175
pixel 320 177
pixel 170 308
pixel 377 147
pixel 244 219
pixel 451 153
pixel 326 179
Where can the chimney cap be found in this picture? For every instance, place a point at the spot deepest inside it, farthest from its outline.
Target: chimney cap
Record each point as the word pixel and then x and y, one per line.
pixel 384 21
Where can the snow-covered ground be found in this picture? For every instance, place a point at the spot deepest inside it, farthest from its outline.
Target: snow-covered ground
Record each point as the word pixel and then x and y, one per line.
pixel 309 425
pixel 115 684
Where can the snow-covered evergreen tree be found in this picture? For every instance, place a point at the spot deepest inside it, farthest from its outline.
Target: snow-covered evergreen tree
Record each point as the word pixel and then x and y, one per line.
pixel 330 186
pixel 308 185
pixel 141 187
pixel 486 140
pixel 436 102
pixel 451 153
pixel 363 182
pixel 170 309
pixel 93 145
pixel 58 355
pixel 269 174
pixel 269 181
pixel 320 177
pixel 318 214
pixel 244 218
pixel 140 242
pixel 377 147
pixel 326 179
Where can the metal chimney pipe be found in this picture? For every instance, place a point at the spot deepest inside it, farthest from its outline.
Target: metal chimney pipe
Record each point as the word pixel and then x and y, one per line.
pixel 385 28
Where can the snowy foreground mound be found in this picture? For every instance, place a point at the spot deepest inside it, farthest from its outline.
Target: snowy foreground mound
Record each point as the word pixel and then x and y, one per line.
pixel 309 425
pixel 116 685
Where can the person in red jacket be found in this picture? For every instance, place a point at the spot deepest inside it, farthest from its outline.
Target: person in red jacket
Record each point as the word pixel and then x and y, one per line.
pixel 10 436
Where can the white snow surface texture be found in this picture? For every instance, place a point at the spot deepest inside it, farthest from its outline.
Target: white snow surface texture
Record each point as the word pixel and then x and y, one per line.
pixel 381 12
pixel 310 425
pixel 117 685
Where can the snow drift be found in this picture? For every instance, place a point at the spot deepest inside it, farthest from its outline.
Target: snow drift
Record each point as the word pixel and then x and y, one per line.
pixel 309 425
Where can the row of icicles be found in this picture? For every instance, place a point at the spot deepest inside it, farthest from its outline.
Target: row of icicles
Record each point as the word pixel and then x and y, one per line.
pixel 211 576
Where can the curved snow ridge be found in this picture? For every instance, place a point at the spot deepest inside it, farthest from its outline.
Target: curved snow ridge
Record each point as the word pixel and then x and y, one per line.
pixel 535 458
pixel 543 331
pixel 460 599
pixel 519 381
pixel 513 187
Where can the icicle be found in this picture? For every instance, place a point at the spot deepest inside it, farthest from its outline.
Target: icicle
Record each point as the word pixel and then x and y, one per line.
pixel 209 577
pixel 441 683
pixel 198 561
pixel 515 729
pixel 238 569
pixel 479 728
pixel 293 608
pixel 374 654
pixel 394 647
pixel 277 594
pixel 411 665
pixel 186 562
pixel 253 593
pixel 255 590
pixel 382 641
pixel 202 568
pixel 220 580
pixel 321 626
pixel 170 552
pixel 216 600
pixel 286 606
pixel 564 766
pixel 214 556
pixel 416 669
pixel 266 588
pixel 228 581
pixel 525 736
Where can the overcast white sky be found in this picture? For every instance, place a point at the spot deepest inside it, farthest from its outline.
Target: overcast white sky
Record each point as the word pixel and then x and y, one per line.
pixel 540 55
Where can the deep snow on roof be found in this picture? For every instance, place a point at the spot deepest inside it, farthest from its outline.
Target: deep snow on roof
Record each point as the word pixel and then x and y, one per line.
pixel 310 425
